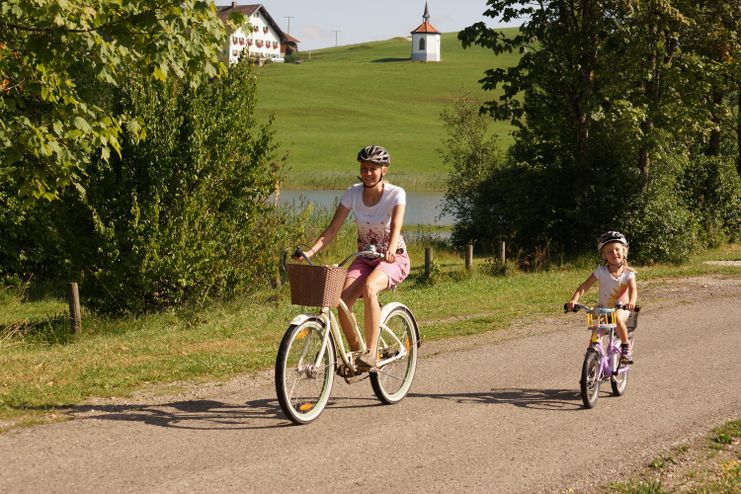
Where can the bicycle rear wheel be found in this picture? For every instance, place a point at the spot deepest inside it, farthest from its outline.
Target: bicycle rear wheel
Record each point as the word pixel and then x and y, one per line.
pixel 590 380
pixel 396 340
pixel 302 383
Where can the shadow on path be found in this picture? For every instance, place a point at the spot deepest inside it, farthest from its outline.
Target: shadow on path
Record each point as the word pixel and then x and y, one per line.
pixel 539 399
pixel 191 414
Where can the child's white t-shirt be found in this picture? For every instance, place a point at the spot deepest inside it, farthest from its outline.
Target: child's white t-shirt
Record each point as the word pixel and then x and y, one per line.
pixel 612 289
pixel 374 222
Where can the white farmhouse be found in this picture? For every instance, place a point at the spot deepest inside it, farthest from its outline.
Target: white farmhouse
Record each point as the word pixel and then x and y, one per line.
pixel 260 38
pixel 426 40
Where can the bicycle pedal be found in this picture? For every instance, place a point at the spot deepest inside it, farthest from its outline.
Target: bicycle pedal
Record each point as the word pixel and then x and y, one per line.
pixel 345 371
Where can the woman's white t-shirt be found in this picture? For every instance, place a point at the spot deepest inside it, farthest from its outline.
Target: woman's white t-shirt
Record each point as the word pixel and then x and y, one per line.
pixel 374 222
pixel 612 289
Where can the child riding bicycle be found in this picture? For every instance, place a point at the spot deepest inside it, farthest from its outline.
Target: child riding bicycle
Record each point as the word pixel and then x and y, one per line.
pixel 617 285
pixel 378 208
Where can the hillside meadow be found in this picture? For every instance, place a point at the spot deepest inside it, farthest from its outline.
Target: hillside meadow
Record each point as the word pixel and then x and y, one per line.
pixel 341 99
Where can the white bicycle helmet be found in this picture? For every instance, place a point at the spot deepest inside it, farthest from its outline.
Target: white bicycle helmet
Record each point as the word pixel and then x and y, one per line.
pixel 609 237
pixel 374 154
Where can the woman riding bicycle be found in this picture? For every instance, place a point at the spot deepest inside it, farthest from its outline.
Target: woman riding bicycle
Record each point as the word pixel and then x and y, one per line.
pixel 378 208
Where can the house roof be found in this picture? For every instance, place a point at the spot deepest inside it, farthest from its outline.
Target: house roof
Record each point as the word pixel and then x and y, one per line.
pixel 247 11
pixel 427 28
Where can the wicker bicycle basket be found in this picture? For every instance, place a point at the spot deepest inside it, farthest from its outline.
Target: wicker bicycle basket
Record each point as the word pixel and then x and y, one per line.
pixel 316 286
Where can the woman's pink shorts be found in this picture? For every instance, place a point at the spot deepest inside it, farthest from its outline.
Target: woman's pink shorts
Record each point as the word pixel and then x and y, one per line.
pixel 397 271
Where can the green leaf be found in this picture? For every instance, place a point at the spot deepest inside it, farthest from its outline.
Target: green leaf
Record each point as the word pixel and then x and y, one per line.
pixel 81 124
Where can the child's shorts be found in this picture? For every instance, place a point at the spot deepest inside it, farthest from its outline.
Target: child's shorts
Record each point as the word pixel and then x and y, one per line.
pixel 396 271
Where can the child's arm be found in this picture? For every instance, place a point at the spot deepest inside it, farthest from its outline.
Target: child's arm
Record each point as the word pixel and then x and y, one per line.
pixel 581 290
pixel 632 294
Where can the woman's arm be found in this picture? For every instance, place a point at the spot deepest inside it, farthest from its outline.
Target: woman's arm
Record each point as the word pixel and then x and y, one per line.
pixel 329 234
pixel 397 219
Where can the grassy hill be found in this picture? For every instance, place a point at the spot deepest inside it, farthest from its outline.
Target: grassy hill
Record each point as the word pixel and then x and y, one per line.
pixel 343 98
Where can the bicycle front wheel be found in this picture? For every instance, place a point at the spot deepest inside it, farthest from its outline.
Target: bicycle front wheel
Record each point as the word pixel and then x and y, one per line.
pixel 303 373
pixel 590 379
pixel 619 381
pixel 397 344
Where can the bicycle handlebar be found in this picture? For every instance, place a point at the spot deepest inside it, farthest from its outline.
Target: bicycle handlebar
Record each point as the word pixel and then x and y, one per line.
pixel 370 251
pixel 578 307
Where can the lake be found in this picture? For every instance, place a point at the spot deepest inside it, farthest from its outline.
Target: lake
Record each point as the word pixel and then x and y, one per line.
pixel 423 208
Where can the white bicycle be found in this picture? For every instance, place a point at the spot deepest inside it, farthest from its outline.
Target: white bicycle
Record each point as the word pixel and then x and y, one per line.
pixel 313 351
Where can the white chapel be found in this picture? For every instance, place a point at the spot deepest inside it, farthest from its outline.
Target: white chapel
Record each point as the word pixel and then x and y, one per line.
pixel 426 40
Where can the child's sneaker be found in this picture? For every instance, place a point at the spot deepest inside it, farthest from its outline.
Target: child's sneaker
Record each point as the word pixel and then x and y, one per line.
pixel 626 354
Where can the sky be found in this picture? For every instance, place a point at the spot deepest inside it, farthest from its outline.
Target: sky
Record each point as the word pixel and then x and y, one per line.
pixel 322 23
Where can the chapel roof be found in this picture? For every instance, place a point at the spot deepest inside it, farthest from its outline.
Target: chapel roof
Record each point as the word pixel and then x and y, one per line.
pixel 426 28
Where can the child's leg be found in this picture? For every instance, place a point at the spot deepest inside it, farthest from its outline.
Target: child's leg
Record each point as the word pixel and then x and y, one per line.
pixel 622 329
pixel 626 352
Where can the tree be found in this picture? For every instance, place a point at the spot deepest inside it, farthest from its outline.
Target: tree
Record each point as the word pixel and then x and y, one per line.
pixel 55 56
pixel 714 35
pixel 561 44
pixel 609 101
pixel 184 214
pixel 471 152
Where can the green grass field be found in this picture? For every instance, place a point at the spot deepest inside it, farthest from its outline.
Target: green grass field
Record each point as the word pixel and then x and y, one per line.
pixel 341 99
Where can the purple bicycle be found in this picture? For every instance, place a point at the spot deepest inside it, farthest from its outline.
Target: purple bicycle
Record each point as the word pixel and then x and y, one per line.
pixel 602 358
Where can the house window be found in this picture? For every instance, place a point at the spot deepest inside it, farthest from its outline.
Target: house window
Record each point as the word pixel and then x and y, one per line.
pixel 421 43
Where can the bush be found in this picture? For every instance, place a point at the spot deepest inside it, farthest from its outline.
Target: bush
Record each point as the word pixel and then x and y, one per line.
pixel 711 187
pixel 29 245
pixel 184 214
pixel 660 226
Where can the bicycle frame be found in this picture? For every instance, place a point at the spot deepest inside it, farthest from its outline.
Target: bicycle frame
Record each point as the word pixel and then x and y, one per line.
pixel 333 330
pixel 330 321
pixel 606 354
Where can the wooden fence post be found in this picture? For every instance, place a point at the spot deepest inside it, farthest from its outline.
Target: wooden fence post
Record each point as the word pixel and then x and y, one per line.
pixel 502 253
pixel 73 294
pixel 428 260
pixel 469 257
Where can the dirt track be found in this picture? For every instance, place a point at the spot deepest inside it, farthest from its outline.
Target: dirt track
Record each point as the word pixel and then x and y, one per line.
pixel 494 413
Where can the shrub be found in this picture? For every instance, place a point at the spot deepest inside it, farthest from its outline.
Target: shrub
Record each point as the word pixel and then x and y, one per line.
pixel 711 187
pixel 660 226
pixel 184 214
pixel 28 242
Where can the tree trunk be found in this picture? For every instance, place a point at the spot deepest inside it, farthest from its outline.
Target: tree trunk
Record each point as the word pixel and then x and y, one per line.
pixel 587 63
pixel 713 148
pixel 738 135
pixel 651 89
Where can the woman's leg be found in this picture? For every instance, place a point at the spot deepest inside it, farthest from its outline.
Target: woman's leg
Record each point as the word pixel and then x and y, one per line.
pixel 350 294
pixel 375 283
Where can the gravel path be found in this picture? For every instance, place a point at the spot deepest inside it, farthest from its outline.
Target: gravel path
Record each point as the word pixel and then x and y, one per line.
pixel 493 413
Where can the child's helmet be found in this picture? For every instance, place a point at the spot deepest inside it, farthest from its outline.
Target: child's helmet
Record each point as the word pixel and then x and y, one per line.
pixel 609 237
pixel 374 154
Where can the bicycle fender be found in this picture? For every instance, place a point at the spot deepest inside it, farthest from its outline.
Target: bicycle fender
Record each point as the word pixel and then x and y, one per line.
pixel 389 307
pixel 301 318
